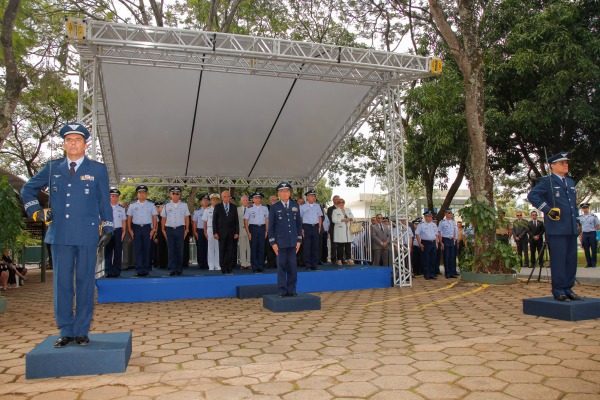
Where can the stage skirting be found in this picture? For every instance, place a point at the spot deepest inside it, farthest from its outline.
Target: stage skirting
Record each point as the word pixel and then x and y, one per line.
pixel 202 284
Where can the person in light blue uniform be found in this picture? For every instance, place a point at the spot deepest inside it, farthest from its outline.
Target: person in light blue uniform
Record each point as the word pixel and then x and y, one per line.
pixel 589 225
pixel 555 196
pixel 312 220
pixel 198 230
pixel 142 225
pixel 427 236
pixel 113 251
pixel 448 235
pixel 80 201
pixel 256 221
pixel 175 227
pixel 285 237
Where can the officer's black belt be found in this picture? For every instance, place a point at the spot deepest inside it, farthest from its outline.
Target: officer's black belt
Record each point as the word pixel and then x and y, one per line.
pixel 257 224
pixel 427 241
pixel 142 225
pixel 311 224
pixel 175 227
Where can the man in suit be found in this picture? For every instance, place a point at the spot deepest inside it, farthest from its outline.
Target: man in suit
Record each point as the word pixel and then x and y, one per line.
pixel 536 238
pixel 79 196
pixel 520 232
pixel 226 229
pixel 380 242
pixel 285 237
pixel 555 196
pixel 335 200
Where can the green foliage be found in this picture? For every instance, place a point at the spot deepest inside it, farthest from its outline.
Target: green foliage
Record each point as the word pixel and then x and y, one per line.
pixel 498 258
pixel 10 215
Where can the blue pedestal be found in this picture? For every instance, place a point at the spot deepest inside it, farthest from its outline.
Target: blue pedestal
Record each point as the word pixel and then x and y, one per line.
pixel 106 353
pixel 302 302
pixel 255 291
pixel 564 310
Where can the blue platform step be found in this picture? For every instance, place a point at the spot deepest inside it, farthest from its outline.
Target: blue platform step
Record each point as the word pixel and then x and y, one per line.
pixel 106 353
pixel 548 307
pixel 302 302
pixel 255 291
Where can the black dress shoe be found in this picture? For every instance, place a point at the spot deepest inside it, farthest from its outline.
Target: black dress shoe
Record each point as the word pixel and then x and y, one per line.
pixel 574 296
pixel 63 341
pixel 562 297
pixel 172 273
pixel 82 340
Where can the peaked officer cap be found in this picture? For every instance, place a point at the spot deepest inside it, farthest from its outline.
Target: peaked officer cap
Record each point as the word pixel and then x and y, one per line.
pixel 284 185
pixel 258 194
pixel 310 191
pixel 115 191
pixel 74 127
pixel 562 156
pixel 448 211
pixel 427 214
pixel 585 205
pixel 215 196
pixel 174 189
pixel 141 188
pixel 204 196
pixel 159 203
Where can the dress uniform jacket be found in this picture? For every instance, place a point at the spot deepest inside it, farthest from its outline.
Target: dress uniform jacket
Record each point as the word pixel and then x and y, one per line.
pixel 285 226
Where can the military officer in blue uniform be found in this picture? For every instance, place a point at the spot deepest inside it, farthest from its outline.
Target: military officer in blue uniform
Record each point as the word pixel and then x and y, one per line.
pixel 589 225
pixel 427 236
pixel 285 237
pixel 312 219
pixel 113 251
pixel 142 224
pixel 256 221
pixel 80 201
pixel 175 227
pixel 448 236
pixel 555 196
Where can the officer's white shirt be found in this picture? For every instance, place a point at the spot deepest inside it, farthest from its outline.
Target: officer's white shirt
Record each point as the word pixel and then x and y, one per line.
pixel 141 213
pixel 256 215
pixel 119 215
pixel 427 231
pixel 197 217
pixel 448 229
pixel 588 222
pixel 310 213
pixel 176 213
pixel 208 216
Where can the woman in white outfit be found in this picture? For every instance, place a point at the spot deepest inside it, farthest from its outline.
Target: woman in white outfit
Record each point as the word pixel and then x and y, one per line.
pixel 213 244
pixel 342 218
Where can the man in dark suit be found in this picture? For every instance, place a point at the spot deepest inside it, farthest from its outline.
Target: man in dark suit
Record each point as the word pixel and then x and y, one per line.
pixel 226 229
pixel 79 195
pixel 536 238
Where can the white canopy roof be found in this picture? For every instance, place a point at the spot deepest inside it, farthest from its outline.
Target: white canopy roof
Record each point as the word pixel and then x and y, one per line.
pixel 198 108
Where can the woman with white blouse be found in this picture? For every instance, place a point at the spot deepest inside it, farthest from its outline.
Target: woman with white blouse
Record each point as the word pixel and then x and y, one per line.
pixel 342 219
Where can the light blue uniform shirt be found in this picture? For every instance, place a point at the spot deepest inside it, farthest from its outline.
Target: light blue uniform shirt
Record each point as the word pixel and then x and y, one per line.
pixel 427 231
pixel 256 215
pixel 119 214
pixel 176 213
pixel 310 213
pixel 141 213
pixel 448 229
pixel 198 217
pixel 588 222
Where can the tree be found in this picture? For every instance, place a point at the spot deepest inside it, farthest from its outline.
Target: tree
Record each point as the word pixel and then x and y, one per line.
pixel 10 214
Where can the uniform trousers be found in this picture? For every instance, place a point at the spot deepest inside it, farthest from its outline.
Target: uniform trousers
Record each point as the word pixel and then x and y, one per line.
pixel 212 251
pixel 324 250
pixel 287 270
pixel 310 241
pixel 535 248
pixel 78 262
pixel 563 263
pixel 142 245
pixel 244 246
pixel 428 256
pixel 334 255
pixel 449 257
pixel 257 246
pixel 175 244
pixel 416 260
pixel 522 247
pixel 113 253
pixel 590 247
pixel 438 259
pixel 271 258
pixel 202 247
pixel 227 253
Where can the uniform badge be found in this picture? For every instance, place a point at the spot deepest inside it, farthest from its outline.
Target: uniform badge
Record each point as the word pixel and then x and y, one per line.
pixel 294 209
pixel 557 194
pixel 87 191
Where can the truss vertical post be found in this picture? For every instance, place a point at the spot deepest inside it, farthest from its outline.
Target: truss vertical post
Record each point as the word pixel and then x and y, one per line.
pixel 398 204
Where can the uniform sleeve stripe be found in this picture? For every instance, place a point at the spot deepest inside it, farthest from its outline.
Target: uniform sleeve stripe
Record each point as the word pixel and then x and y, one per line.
pixel 542 206
pixel 108 223
pixel 32 203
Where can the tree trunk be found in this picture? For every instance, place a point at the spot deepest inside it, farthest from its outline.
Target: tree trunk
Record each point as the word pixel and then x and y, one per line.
pixel 15 82
pixel 452 190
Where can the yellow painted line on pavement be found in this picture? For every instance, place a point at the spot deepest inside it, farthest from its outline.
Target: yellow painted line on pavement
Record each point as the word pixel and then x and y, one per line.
pixel 411 295
pixel 482 287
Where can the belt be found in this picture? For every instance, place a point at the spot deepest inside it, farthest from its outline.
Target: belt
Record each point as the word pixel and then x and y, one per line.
pixel 449 238
pixel 311 224
pixel 257 224
pixel 427 241
pixel 175 227
pixel 594 232
pixel 142 225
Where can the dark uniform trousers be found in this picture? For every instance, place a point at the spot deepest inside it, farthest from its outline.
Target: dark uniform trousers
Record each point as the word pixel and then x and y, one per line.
pixel 202 247
pixel 310 242
pixel 415 257
pixel 438 259
pixel 563 248
pixel 142 245
pixel 287 270
pixel 113 253
pixel 428 257
pixel 590 247
pixel 271 258
pixel 449 257
pixel 175 244
pixel 257 246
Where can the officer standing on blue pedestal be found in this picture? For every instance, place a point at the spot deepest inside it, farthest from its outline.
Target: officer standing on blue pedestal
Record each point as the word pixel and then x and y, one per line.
pixel 555 196
pixel 175 227
pixel 113 251
pixel 256 220
pixel 312 219
pixel 80 204
pixel 285 237
pixel 448 232
pixel 589 225
pixel 142 223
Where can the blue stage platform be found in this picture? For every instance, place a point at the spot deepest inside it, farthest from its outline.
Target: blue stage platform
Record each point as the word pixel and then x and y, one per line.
pixel 202 284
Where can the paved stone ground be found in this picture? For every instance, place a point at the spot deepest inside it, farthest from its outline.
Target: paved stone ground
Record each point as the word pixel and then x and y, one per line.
pixel 437 340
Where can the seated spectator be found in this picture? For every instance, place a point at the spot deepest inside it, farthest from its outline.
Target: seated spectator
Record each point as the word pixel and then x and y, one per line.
pixel 13 270
pixel 3 276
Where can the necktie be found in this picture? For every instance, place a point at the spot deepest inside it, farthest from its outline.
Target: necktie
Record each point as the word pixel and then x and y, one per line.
pixel 381 227
pixel 535 224
pixel 72 169
pixel 564 181
pixel 226 208
pixel 285 205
